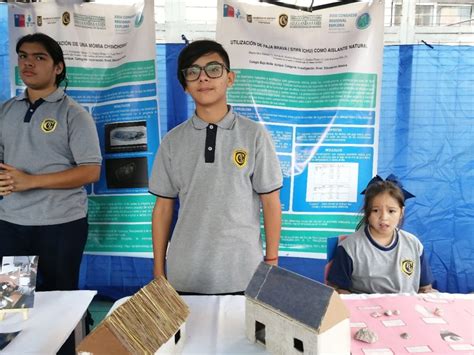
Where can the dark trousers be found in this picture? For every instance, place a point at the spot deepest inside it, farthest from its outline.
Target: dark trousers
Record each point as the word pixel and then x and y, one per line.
pixel 59 248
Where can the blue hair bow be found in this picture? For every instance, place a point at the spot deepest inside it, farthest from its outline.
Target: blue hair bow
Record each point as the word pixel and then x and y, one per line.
pixel 392 178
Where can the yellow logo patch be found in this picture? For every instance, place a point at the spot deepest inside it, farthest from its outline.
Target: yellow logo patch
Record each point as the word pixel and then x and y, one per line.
pixel 48 125
pixel 408 266
pixel 240 157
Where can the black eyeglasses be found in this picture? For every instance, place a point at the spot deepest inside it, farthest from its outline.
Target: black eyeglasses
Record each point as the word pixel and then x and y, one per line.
pixel 213 70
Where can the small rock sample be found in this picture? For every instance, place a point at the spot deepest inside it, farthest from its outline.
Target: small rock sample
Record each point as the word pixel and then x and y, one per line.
pixel 404 335
pixel 449 336
pixel 396 312
pixel 388 312
pixel 438 312
pixel 376 314
pixel 366 335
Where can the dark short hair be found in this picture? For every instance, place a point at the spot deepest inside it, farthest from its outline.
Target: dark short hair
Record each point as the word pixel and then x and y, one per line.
pixel 196 50
pixel 52 47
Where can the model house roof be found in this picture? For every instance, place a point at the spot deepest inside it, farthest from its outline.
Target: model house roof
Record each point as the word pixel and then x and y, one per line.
pixel 142 324
pixel 307 301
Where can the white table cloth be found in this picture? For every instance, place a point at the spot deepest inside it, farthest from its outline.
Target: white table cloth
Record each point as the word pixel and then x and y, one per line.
pixel 216 324
pixel 54 316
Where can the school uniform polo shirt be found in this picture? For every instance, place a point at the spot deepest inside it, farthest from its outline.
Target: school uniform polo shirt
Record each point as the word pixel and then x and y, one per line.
pixel 361 265
pixel 217 172
pixel 52 135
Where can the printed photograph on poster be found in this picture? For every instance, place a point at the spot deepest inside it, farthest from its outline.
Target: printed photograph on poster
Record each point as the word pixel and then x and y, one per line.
pixel 18 281
pixel 126 137
pixel 127 172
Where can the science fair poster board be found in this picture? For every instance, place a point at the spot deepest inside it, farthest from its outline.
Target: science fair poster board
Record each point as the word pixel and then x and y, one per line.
pixel 314 80
pixel 110 57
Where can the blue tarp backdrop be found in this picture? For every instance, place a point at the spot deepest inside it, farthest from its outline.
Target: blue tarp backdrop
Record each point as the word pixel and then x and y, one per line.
pixel 426 139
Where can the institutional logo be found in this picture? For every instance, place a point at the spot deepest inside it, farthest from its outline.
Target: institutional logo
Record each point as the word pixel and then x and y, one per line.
pixel 29 21
pixel 363 21
pixel 283 20
pixel 66 18
pixel 48 125
pixel 39 20
pixel 408 266
pixel 139 19
pixel 19 20
pixel 239 157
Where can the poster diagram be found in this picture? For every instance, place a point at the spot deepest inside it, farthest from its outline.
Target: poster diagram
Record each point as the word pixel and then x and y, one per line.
pixel 331 182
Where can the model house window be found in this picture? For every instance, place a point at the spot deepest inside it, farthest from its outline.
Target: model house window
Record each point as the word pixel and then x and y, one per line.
pixel 177 336
pixel 298 345
pixel 260 332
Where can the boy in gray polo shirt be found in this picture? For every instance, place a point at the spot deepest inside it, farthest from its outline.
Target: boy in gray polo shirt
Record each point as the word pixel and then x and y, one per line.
pixel 222 167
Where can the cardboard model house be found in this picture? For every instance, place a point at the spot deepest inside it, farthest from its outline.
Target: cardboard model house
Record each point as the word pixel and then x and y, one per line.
pixel 291 314
pixel 151 321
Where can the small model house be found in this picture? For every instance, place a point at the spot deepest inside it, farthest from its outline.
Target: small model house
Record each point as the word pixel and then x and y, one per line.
pixel 291 314
pixel 151 321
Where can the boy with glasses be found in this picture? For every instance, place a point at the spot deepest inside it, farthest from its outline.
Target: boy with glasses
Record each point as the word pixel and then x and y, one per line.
pixel 221 166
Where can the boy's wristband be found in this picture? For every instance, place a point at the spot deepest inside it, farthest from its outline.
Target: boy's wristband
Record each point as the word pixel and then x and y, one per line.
pixel 270 259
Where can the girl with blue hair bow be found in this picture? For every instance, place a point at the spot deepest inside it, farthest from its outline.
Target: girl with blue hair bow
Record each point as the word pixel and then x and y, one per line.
pixel 380 257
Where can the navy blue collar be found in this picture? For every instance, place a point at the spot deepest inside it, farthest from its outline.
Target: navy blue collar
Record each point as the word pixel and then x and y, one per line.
pixel 377 245
pixel 32 109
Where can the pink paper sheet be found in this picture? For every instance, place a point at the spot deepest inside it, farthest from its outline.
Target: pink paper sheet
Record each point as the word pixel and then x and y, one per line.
pixel 416 318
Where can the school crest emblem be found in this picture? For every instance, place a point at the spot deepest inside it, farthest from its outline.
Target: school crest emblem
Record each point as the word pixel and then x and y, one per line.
pixel 239 157
pixel 48 125
pixel 66 18
pixel 283 20
pixel 408 266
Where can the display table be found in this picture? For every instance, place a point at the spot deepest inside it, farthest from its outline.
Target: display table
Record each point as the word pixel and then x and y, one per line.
pixel 54 316
pixel 216 324
pixel 436 323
